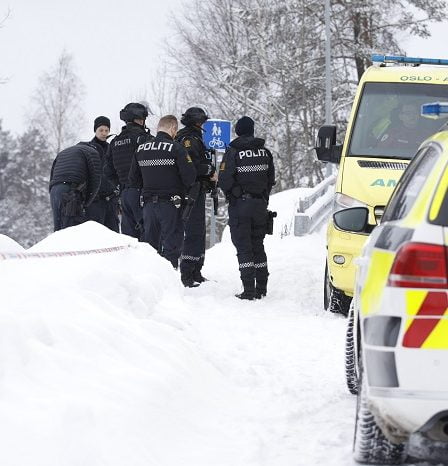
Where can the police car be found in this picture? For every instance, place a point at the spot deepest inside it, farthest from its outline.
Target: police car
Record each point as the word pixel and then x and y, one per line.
pixel 397 338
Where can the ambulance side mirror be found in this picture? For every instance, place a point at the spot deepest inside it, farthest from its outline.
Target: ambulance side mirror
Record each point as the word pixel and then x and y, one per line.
pixel 326 148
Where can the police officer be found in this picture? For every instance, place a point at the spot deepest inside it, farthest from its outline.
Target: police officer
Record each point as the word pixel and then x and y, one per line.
pixel 122 149
pixel 193 252
pixel 74 183
pixel 164 171
pixel 246 176
pixel 104 208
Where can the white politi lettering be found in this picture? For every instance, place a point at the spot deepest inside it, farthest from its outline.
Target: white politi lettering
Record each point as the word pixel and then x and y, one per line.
pixel 167 146
pixel 123 142
pixel 251 153
pixel 152 145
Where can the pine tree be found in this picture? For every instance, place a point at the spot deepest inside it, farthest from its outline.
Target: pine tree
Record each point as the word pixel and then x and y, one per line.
pixel 25 213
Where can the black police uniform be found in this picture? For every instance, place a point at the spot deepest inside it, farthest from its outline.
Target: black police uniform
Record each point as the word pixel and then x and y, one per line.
pixel 122 149
pixel 104 208
pixel 246 176
pixel 193 252
pixel 164 171
pixel 74 182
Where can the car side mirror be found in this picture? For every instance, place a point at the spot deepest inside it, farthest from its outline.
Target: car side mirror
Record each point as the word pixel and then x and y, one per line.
pixel 353 219
pixel 326 148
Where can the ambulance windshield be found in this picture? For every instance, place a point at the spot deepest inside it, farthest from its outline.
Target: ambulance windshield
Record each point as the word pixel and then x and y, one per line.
pixel 388 122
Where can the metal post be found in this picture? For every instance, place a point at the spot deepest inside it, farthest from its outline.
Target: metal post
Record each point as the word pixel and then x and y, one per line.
pixel 213 217
pixel 328 116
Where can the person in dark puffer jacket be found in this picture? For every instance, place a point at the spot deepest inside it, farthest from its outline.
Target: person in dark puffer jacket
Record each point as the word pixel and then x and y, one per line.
pixel 122 149
pixel 74 182
pixel 104 208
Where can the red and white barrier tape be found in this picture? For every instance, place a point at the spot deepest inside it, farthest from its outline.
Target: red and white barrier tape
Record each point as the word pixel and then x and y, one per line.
pixel 40 255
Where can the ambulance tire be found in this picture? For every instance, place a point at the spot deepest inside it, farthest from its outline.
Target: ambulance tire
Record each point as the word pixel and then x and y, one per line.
pixel 339 302
pixel 327 288
pixel 335 300
pixel 351 368
pixel 370 446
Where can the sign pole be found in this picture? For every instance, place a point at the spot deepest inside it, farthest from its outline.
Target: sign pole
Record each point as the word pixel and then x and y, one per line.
pixel 216 137
pixel 213 216
pixel 328 97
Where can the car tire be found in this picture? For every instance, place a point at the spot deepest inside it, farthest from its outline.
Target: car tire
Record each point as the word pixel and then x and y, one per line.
pixel 370 446
pixel 351 363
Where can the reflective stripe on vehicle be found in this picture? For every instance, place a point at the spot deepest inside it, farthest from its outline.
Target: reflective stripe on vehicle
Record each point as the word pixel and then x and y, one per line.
pixel 428 328
pixel 439 196
pixel 376 279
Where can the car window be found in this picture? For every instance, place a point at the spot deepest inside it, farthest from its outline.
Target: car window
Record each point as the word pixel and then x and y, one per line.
pixel 411 183
pixel 388 122
pixel 440 216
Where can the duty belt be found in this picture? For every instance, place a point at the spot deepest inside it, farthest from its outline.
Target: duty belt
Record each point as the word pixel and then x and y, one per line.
pixel 159 198
pixel 68 183
pixel 251 196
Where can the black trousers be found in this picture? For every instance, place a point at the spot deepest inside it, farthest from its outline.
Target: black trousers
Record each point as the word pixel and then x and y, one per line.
pixel 193 251
pixel 247 221
pixel 104 212
pixel 163 229
pixel 58 193
pixel 132 214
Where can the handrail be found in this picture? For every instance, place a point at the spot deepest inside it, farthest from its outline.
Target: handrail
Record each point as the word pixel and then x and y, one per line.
pixel 314 208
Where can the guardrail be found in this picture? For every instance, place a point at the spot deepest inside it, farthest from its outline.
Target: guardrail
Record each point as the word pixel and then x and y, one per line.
pixel 315 207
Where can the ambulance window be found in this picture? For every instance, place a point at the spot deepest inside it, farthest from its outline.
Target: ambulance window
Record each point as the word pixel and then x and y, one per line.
pixel 388 122
pixel 411 183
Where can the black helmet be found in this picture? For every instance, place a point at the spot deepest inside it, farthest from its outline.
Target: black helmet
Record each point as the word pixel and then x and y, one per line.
pixel 133 111
pixel 193 116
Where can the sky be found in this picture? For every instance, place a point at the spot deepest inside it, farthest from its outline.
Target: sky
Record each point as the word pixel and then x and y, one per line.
pixel 117 48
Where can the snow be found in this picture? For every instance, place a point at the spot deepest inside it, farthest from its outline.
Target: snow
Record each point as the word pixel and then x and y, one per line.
pixel 8 245
pixel 105 359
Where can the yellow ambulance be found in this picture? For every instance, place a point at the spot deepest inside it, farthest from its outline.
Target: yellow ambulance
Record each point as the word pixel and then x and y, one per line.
pixel 384 132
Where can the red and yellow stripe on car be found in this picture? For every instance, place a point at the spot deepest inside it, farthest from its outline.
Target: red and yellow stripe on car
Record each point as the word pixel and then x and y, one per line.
pixel 427 319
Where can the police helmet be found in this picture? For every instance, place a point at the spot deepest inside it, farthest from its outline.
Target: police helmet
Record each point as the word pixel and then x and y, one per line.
pixel 133 111
pixel 193 116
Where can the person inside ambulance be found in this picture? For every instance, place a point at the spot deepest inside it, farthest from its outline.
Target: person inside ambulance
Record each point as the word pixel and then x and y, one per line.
pixel 405 132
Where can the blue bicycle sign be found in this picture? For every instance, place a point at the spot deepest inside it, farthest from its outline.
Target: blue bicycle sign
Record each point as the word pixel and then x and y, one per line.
pixel 217 134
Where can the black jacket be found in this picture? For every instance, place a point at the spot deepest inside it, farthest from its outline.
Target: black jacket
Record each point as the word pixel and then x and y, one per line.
pixel 162 167
pixel 80 165
pixel 107 185
pixel 122 149
pixel 191 138
pixel 247 167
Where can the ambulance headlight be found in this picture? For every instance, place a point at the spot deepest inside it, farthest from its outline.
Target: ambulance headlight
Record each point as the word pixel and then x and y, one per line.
pixel 342 201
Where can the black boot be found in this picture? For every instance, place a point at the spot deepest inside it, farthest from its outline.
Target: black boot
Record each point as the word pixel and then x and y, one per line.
pixel 249 290
pixel 261 289
pixel 188 280
pixel 198 277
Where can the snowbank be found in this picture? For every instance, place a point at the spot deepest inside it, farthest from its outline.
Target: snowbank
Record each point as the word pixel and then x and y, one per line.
pixel 105 359
pixel 9 245
pixel 89 235
pixel 92 372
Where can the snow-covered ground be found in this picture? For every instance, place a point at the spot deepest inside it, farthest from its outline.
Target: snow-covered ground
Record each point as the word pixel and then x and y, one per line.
pixel 105 359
